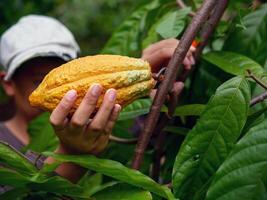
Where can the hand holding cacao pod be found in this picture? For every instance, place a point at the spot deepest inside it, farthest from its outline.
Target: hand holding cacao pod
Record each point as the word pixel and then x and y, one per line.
pixel 129 76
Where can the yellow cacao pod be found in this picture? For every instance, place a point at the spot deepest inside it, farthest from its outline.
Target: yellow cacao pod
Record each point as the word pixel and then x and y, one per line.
pixel 131 77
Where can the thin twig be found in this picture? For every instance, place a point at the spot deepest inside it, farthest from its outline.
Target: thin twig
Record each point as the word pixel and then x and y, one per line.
pixel 158 155
pixel 173 68
pixel 182 5
pixel 210 26
pixel 122 140
pixel 256 79
pixel 258 99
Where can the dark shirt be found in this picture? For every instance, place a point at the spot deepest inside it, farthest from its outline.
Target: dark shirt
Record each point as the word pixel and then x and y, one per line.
pixel 8 137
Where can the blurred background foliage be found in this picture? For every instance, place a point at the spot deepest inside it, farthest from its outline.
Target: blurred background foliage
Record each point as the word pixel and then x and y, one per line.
pixel 91 22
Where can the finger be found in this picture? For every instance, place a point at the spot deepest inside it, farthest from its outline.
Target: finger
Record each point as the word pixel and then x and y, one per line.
pixel 87 106
pixel 171 43
pixel 187 64
pixel 113 118
pixel 158 57
pixel 192 60
pixel 58 116
pixel 102 116
pixel 192 49
pixel 178 87
pixel 186 61
pixel 100 144
pixel 153 93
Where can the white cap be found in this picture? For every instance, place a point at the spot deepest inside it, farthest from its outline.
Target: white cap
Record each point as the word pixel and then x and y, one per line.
pixel 35 36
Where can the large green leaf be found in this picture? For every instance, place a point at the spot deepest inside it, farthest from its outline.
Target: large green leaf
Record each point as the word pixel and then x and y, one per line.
pixel 12 178
pixel 57 185
pixel 117 171
pixel 126 40
pixel 15 194
pixel 172 23
pixel 243 174
pixel 210 141
pixel 135 109
pixel 15 160
pixel 92 184
pixel 24 174
pixel 233 63
pixel 42 135
pixel 122 192
pixel 251 40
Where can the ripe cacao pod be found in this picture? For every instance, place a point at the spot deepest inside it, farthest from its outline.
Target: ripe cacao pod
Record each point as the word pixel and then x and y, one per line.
pixel 131 77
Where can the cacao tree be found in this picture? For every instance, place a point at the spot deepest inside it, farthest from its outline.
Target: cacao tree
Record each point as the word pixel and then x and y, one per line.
pixel 215 145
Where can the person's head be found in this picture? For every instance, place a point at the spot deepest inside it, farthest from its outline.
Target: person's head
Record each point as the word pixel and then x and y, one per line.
pixel 28 51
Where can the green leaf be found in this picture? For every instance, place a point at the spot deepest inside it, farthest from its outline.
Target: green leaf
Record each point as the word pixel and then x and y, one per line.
pixel 57 185
pixel 24 173
pixel 177 130
pixel 12 178
pixel 254 118
pixel 15 160
pixel 172 23
pixel 187 110
pixel 251 41
pixel 115 170
pixel 42 135
pixel 210 141
pixel 123 192
pixel 135 109
pixel 92 184
pixel 242 175
pixel 126 40
pixel 15 194
pixel 233 63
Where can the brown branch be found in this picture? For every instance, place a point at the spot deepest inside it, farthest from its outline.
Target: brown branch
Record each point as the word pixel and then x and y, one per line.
pixel 207 31
pixel 158 155
pixel 182 5
pixel 205 35
pixel 256 79
pixel 258 99
pixel 173 68
pixel 210 26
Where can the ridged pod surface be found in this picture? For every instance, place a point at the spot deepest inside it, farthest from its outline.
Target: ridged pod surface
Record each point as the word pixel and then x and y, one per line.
pixel 131 77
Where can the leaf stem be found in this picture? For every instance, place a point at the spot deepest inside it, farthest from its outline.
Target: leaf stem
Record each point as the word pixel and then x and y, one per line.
pixel 122 140
pixel 256 79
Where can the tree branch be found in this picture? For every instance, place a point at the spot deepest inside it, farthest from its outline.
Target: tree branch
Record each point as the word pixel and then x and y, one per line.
pixel 210 26
pixel 258 99
pixel 173 68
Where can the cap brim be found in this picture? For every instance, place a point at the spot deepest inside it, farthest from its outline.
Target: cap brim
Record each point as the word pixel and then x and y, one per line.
pixel 64 52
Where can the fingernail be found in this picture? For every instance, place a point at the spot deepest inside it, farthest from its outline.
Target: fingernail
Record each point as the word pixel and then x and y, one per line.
pixel 71 95
pixel 117 108
pixel 111 94
pixel 96 89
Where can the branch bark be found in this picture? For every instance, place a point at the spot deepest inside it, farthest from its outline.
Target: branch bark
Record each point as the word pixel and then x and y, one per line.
pixel 258 99
pixel 210 26
pixel 173 67
pixel 205 35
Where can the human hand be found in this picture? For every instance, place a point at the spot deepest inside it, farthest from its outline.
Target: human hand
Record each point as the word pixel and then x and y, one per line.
pixel 80 134
pixel 159 54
